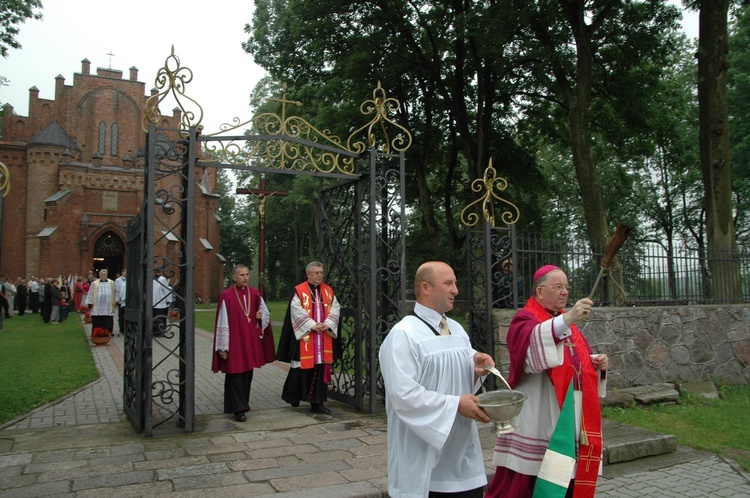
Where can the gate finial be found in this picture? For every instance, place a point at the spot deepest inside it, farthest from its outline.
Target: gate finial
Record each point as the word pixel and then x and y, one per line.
pixel 489 184
pixel 172 78
pixel 381 106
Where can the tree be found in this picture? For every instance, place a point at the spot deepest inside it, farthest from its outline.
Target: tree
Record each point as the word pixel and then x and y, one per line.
pixel 443 61
pixel 663 181
pixel 738 78
pixel 714 147
pixel 236 235
pixel 587 58
pixel 13 13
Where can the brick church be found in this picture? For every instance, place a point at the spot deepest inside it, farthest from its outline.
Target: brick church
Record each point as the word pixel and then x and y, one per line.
pixel 77 175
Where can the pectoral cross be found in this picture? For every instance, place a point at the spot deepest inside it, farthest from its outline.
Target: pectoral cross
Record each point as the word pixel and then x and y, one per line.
pixel 570 345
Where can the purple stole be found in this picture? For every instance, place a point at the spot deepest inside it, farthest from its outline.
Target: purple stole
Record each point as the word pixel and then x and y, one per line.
pixel 315 347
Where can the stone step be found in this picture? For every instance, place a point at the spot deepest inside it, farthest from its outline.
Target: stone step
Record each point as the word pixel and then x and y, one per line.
pixel 641 395
pixel 623 443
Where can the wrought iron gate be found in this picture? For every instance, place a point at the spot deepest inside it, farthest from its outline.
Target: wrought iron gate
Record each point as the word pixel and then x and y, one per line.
pixel 159 374
pixel 363 245
pixel 362 242
pixel 491 282
pixel 487 248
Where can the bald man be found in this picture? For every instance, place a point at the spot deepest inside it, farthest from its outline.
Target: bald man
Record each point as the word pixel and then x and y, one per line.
pixel 431 373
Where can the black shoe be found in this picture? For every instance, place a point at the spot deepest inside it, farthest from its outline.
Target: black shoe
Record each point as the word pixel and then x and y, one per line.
pixel 240 417
pixel 320 408
pixel 295 404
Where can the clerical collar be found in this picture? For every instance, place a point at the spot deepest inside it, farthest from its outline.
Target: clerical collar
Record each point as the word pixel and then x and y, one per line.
pixel 551 313
pixel 313 287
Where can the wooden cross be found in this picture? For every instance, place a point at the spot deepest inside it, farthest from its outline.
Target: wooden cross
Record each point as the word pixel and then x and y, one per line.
pixel 262 194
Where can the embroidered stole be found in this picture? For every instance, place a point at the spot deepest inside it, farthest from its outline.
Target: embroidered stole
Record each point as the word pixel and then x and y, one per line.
pixel 590 447
pixel 313 340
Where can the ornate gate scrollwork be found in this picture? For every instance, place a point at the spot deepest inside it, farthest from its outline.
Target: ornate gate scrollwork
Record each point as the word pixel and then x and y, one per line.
pixel 362 239
pixel 363 243
pixel 159 353
pixel 489 250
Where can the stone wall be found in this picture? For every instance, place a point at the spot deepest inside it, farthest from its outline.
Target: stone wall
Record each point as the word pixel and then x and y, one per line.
pixel 669 344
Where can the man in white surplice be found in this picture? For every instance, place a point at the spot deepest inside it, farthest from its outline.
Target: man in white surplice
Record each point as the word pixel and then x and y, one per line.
pixel 431 373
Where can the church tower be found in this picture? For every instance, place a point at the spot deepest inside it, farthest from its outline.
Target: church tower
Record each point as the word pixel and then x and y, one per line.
pixel 77 172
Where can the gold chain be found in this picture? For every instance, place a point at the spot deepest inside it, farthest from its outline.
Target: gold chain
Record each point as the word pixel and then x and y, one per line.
pixel 245 311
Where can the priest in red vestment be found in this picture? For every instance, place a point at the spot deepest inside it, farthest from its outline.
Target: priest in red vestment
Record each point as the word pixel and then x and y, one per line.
pixel 242 326
pixel 547 350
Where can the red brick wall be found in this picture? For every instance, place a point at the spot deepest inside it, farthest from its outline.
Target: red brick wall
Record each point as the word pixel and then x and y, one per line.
pixel 38 172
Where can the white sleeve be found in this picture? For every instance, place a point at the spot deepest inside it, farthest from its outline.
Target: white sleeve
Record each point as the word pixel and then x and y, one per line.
pixel 301 321
pixel 266 318
pixel 543 352
pixel 222 329
pixel 332 320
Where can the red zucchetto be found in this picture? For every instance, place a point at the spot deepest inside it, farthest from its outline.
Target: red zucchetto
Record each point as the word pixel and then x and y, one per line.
pixel 544 270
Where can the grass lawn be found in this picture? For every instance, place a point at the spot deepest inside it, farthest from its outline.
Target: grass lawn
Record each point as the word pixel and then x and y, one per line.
pixel 205 314
pixel 39 362
pixel 720 426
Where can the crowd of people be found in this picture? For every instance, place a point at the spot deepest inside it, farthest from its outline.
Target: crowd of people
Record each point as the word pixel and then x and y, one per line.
pixel 53 298
pixel 50 297
pixel 431 374
pixel 243 341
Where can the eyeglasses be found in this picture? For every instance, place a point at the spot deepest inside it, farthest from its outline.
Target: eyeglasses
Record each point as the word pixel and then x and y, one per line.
pixel 558 287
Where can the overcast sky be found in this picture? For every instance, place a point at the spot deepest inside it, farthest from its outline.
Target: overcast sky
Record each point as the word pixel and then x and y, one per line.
pixel 207 38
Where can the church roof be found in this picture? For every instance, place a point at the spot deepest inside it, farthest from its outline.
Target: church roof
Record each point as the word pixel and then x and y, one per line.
pixel 57 196
pixel 53 134
pixel 206 244
pixel 46 232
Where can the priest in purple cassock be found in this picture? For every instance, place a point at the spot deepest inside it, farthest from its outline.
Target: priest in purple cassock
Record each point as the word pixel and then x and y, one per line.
pixel 242 331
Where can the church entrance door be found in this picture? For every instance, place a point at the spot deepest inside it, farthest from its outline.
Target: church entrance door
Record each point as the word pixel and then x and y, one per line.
pixel 109 251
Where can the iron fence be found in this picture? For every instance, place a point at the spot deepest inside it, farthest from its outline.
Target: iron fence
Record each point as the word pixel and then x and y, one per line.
pixel 643 274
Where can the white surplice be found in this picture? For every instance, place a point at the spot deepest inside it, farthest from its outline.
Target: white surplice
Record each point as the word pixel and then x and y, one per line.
pixel 523 449
pixel 101 297
pixel 430 446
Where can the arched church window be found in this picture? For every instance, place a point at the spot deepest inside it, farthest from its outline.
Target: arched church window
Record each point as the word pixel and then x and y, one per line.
pixel 102 138
pixel 109 243
pixel 113 140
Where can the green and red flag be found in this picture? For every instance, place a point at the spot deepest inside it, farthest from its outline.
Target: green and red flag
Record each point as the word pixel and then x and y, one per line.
pixel 560 458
